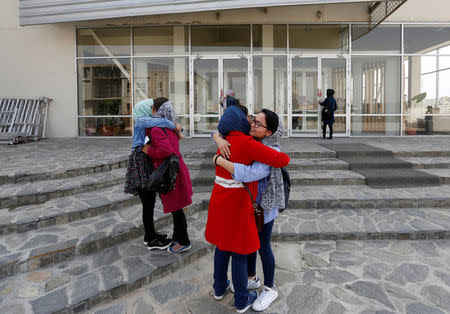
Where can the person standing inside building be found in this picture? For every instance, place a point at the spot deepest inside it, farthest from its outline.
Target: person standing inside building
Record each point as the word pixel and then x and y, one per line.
pixel 139 170
pixel 231 223
pixel 429 120
pixel 229 100
pixel 329 107
pixel 267 128
pixel 163 144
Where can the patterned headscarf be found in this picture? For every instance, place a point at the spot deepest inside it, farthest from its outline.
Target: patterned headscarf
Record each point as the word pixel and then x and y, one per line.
pixel 143 109
pixel 274 195
pixel 166 111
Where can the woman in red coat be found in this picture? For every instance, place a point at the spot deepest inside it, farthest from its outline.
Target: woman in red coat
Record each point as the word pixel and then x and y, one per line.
pixel 231 221
pixel 164 142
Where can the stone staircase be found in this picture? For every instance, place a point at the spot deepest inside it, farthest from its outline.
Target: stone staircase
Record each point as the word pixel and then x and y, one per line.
pixel 70 239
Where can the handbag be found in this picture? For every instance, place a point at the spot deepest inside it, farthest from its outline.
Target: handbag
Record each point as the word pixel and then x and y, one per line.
pixel 287 188
pixel 163 178
pixel 259 211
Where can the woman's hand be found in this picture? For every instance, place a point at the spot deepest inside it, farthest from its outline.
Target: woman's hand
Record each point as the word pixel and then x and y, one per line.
pixel 145 148
pixel 178 129
pixel 223 145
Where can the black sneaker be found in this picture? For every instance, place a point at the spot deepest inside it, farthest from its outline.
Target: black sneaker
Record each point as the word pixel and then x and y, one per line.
pixel 159 244
pixel 157 235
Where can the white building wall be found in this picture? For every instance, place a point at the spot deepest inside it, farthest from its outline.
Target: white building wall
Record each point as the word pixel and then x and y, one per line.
pixel 39 61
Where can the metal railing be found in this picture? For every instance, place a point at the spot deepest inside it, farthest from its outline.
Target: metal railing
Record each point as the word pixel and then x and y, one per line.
pixel 23 118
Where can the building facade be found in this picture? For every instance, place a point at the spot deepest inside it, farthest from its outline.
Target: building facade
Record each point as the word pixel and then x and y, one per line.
pixel 391 81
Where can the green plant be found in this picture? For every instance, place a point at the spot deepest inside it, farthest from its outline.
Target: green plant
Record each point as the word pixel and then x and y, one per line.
pixel 419 98
pixel 110 109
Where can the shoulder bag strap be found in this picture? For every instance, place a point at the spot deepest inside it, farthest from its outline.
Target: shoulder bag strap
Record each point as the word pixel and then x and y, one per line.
pixel 251 196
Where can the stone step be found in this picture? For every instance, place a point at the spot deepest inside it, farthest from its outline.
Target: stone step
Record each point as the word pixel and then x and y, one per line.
pixel 428 162
pixel 362 196
pixel 297 153
pixel 72 169
pixel 374 162
pixel 28 251
pixel 298 177
pixel 76 285
pixel 19 194
pixel 443 174
pixel 295 164
pixel 65 209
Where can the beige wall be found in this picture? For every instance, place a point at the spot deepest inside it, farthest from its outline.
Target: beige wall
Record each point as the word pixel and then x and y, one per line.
pixel 39 61
pixel 422 11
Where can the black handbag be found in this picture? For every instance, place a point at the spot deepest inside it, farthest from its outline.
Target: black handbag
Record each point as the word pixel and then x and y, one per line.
pixel 287 188
pixel 259 211
pixel 163 178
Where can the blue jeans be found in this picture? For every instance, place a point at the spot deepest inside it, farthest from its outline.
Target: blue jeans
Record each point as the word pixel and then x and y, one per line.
pixel 267 258
pixel 238 274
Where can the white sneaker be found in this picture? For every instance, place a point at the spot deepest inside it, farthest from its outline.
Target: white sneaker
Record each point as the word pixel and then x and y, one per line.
pixel 251 284
pixel 267 296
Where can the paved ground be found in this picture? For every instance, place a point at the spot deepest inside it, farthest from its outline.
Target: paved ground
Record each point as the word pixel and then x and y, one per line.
pixel 317 277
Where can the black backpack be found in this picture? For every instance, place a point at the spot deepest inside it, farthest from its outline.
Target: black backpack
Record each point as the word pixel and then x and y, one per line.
pixel 287 188
pixel 163 178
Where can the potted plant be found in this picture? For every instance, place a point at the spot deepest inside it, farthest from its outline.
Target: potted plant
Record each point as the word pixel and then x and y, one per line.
pixel 109 124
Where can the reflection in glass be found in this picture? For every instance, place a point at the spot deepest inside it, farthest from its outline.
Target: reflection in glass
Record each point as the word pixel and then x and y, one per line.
pixel 160 39
pixel 426 85
pixel 375 125
pixel 163 77
pixel 304 125
pixel 269 38
pixel 376 84
pixel 383 38
pixel 318 37
pixel 106 126
pixel 104 87
pixel 426 38
pixel 334 77
pixel 206 86
pixel 96 42
pixel 205 125
pixel 304 85
pixel 270 83
pixel 426 124
pixel 220 38
pixel 235 77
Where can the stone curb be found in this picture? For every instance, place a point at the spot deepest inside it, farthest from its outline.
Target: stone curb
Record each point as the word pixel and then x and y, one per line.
pixel 36 258
pixel 23 199
pixel 64 173
pixel 369 203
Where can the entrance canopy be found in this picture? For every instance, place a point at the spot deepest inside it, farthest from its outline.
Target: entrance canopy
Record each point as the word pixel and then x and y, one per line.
pixel 34 12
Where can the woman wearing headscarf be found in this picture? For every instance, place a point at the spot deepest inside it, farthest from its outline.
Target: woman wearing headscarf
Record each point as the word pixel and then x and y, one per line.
pixel 231 221
pixel 267 128
pixel 329 107
pixel 139 170
pixel 163 144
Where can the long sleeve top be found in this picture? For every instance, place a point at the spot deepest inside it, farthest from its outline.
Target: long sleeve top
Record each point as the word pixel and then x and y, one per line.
pixel 146 122
pixel 253 172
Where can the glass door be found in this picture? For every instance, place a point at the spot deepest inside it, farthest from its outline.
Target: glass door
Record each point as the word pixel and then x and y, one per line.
pixel 211 78
pixel 304 99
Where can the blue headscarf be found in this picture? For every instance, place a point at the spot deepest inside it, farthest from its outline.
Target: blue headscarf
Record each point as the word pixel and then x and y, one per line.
pixel 143 109
pixel 233 119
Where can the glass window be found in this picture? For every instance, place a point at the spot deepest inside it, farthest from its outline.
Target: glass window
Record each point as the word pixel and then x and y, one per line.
pixel 235 78
pixel 102 42
pixel 426 39
pixel 304 125
pixel 426 124
pixel 305 85
pixel 334 77
pixel 206 86
pixel 105 126
pixel 161 39
pixel 270 83
pixel 269 38
pixel 376 84
pixel 220 38
pixel 104 87
pixel 318 37
pixel 383 39
pixel 375 125
pixel 163 77
pixel 426 84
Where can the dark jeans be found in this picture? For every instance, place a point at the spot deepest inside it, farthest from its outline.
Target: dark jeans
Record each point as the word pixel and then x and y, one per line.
pixel 267 258
pixel 148 199
pixel 324 129
pixel 238 274
pixel 180 233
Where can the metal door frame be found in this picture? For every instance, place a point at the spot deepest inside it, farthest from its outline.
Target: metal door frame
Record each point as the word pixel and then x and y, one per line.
pixel 220 59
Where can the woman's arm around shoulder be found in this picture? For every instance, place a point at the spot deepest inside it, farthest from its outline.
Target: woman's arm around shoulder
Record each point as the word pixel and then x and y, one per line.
pixel 266 155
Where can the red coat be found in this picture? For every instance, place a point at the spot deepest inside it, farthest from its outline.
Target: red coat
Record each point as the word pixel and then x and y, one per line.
pixel 161 147
pixel 231 219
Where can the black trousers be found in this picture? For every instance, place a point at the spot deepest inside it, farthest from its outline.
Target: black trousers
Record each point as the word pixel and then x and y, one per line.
pixel 180 233
pixel 324 129
pixel 148 199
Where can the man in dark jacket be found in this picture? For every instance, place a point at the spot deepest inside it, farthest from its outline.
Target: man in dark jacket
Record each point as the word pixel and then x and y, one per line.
pixel 329 107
